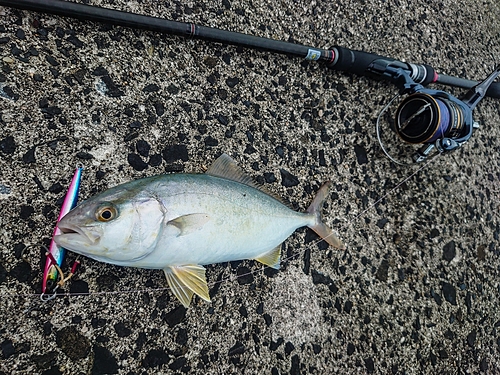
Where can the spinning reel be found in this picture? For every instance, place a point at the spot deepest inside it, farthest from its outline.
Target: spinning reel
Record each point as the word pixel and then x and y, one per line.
pixel 434 119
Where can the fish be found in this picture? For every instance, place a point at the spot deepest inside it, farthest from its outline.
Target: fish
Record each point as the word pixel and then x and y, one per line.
pixel 180 222
pixel 56 253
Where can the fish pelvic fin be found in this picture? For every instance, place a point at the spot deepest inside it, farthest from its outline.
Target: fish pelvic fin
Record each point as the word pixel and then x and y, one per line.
pixel 271 258
pixel 319 227
pixel 184 281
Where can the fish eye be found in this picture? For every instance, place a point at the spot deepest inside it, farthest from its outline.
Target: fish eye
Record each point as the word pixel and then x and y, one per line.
pixel 106 213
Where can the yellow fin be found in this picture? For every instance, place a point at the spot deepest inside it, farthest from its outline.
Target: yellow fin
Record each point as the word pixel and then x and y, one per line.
pixel 271 258
pixel 182 293
pixel 189 223
pixel 186 281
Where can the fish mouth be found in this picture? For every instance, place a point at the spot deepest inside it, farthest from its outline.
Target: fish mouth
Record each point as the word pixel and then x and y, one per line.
pixel 74 234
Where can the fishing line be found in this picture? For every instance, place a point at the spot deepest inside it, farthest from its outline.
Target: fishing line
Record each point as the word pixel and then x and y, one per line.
pixel 428 161
pixel 233 277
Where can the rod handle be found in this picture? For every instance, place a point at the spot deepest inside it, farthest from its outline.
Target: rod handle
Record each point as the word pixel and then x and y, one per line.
pixel 375 66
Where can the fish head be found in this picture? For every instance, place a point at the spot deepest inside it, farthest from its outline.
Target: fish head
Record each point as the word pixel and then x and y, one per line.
pixel 118 226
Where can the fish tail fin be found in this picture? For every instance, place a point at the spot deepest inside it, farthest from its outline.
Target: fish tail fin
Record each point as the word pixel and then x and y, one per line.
pixel 319 227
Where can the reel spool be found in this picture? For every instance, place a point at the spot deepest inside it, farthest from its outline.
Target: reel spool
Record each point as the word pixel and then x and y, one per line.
pixel 429 119
pixel 423 118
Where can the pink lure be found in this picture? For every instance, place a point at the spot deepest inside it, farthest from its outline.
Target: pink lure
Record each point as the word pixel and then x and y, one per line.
pixel 56 252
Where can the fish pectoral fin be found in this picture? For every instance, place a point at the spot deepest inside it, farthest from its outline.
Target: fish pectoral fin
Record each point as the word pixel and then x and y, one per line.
pixel 271 258
pixel 186 281
pixel 190 223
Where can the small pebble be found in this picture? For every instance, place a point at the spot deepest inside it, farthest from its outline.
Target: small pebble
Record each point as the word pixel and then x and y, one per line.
pixel 288 179
pixel 449 251
pixel 449 293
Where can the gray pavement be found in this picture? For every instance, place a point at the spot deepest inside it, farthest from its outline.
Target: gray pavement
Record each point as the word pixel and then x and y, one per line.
pixel 416 291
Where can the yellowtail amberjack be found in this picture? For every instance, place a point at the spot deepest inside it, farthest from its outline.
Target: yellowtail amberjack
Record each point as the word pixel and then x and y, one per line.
pixel 180 222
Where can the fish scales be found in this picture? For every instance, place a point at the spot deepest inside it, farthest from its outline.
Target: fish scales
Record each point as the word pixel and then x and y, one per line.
pixel 243 222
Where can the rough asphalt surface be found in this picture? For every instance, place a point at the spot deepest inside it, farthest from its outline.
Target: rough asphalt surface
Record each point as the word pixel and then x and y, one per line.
pixel 418 288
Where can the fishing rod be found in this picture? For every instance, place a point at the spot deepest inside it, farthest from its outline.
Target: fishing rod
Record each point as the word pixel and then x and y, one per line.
pixel 430 119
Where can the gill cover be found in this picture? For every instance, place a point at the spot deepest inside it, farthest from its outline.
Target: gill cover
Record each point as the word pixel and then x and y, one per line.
pixel 115 226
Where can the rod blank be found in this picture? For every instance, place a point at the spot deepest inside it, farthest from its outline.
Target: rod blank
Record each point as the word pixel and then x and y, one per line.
pixel 137 21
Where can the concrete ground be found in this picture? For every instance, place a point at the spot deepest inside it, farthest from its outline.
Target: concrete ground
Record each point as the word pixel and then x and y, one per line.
pixel 417 290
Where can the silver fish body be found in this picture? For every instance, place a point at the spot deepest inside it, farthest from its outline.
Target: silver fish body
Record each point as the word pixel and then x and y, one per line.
pixel 179 222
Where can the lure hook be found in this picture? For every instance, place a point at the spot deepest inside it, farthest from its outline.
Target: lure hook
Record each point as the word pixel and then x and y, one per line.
pixel 45 297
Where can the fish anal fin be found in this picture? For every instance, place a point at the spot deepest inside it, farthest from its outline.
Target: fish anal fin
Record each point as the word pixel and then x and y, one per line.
pixel 190 223
pixel 225 167
pixel 184 281
pixel 271 258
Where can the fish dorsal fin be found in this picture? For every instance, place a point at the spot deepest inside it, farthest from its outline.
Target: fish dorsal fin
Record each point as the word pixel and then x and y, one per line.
pixel 225 167
pixel 184 281
pixel 271 258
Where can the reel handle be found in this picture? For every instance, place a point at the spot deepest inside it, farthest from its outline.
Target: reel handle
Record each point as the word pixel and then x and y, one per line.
pixel 477 93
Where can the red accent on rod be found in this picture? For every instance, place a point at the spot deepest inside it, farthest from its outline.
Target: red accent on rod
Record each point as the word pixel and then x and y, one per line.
pixel 333 56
